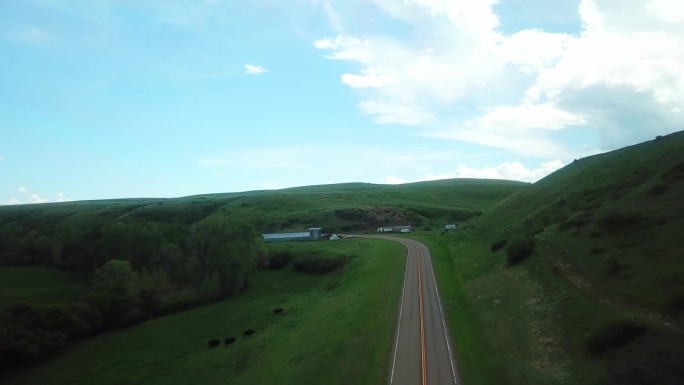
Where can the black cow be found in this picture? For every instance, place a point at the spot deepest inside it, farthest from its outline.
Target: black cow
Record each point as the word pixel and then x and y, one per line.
pixel 248 333
pixel 229 341
pixel 213 343
pixel 278 310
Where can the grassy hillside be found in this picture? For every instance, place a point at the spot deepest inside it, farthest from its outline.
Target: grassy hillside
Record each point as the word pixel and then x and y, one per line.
pixel 336 328
pixel 420 204
pixel 601 298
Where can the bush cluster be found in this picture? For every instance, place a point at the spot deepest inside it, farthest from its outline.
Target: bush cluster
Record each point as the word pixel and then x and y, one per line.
pixel 675 305
pixel 519 250
pixel 498 245
pixel 620 222
pixel 28 332
pixel 279 260
pixel 614 335
pixel 319 264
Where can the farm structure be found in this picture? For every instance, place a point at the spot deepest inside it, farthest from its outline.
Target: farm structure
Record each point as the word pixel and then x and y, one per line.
pixel 395 229
pixel 314 234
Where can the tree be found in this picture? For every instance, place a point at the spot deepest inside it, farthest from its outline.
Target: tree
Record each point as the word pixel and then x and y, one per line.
pixel 10 244
pixel 227 251
pixel 113 292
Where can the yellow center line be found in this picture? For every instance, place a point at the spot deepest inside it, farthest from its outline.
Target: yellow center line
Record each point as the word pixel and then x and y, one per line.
pixel 422 325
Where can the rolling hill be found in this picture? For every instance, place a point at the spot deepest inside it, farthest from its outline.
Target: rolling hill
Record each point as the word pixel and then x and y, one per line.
pixel 600 299
pixel 597 298
pixel 420 204
pixel 163 264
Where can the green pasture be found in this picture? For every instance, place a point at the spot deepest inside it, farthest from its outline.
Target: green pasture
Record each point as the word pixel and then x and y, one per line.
pixel 336 328
pixel 38 285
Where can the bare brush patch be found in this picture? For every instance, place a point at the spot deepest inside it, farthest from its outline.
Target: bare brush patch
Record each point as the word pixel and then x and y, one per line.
pixel 518 316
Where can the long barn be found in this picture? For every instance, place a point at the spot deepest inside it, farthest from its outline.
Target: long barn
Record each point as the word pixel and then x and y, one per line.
pixel 314 234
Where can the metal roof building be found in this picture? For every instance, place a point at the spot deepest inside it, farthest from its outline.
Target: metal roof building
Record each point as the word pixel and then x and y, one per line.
pixel 314 234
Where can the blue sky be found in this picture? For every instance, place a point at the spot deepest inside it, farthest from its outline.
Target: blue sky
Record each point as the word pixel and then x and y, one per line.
pixel 115 99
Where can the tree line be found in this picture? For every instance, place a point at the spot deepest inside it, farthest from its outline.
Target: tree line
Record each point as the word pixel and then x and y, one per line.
pixel 137 271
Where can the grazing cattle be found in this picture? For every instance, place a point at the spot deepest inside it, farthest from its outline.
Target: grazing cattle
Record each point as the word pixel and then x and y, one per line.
pixel 278 310
pixel 229 341
pixel 248 333
pixel 213 343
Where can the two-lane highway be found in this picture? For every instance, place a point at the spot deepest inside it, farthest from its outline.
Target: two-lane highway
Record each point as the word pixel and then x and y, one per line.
pixel 422 351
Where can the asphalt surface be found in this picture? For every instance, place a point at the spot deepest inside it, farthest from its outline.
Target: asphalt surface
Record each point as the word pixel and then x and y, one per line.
pixel 422 353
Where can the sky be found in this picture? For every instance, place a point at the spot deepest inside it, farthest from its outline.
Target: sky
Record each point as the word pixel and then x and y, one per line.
pixel 125 98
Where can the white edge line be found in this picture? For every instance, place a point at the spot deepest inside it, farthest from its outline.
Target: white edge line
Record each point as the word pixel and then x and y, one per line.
pixel 401 309
pixel 441 313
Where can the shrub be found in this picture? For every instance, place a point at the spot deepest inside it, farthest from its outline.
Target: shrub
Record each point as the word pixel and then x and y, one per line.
pixel 614 336
pixel 613 266
pixel 519 250
pixel 657 190
pixel 619 222
pixel 576 221
pixel 28 332
pixel 674 173
pixel 675 306
pixel 279 260
pixel 596 250
pixel 498 245
pixel 310 263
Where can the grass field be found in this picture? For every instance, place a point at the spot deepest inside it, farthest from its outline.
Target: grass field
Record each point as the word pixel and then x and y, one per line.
pixel 38 285
pixel 337 328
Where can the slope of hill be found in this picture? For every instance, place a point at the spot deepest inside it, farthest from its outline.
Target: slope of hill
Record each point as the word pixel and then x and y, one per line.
pixel 346 207
pixel 602 295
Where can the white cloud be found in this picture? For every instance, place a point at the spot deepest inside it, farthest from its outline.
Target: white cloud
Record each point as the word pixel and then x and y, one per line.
pixel 31 197
pixel 458 76
pixel 391 179
pixel 61 198
pixel 251 69
pixel 11 201
pixel 528 116
pixel 672 11
pixel 35 198
pixel 332 16
pixel 388 112
pixel 508 170
pixel 533 50
pixel 367 79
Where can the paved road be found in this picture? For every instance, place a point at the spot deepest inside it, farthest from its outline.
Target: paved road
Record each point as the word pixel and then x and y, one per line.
pixel 422 352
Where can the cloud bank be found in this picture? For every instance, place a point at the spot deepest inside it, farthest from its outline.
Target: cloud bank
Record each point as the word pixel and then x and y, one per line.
pixel 456 75
pixel 28 197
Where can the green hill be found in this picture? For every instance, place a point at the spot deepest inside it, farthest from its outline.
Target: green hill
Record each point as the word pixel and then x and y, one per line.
pixel 601 297
pixel 420 204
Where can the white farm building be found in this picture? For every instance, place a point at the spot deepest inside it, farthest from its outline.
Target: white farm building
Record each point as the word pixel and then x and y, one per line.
pixel 395 229
pixel 314 234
